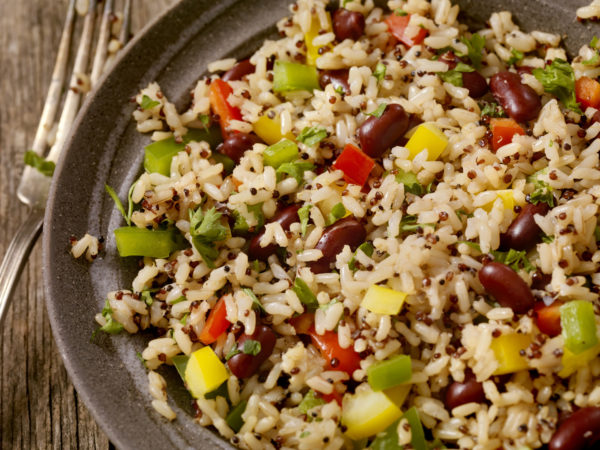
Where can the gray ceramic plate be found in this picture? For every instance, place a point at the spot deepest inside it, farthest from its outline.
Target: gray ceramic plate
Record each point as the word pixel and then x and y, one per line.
pixel 106 149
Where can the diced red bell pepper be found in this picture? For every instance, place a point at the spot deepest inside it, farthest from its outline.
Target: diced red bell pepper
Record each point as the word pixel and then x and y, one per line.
pixel 335 395
pixel 355 164
pixel 547 317
pixel 216 324
pixel 219 93
pixel 347 360
pixel 587 92
pixel 397 26
pixel 503 131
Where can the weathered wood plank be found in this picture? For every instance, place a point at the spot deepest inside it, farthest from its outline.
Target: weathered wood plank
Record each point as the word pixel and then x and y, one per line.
pixel 39 408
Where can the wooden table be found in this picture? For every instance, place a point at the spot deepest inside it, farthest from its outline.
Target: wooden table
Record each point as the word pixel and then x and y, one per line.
pixel 39 407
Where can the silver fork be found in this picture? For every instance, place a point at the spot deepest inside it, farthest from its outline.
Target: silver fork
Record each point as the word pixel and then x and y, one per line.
pixel 33 188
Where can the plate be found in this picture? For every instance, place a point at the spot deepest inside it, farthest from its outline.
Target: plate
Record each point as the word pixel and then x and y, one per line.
pixel 105 148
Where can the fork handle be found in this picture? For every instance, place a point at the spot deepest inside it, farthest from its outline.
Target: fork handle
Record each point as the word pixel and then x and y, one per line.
pixel 16 257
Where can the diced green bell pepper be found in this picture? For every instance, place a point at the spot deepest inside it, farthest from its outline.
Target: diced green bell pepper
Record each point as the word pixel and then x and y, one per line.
pixel 234 418
pixel 389 373
pixel 134 241
pixel 282 152
pixel 180 363
pixel 228 163
pixel 388 440
pixel 158 155
pixel 578 325
pixel 289 76
pixel 221 391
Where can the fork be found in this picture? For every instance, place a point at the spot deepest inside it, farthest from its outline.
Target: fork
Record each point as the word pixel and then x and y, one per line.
pixel 34 186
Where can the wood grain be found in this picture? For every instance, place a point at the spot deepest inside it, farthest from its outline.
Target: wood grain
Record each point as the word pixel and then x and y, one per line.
pixel 39 408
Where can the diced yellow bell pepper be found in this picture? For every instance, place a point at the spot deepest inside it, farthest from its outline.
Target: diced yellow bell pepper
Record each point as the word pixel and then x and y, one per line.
pixel 398 394
pixel 427 136
pixel 508 199
pixel 269 130
pixel 572 362
pixel 507 348
pixel 383 300
pixel 204 372
pixel 312 51
pixel 366 413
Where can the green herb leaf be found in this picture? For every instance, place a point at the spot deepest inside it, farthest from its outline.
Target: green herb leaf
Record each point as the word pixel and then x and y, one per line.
pixel 258 214
pixel 475 47
pixel 206 229
pixel 454 76
pixel 311 136
pixel 240 225
pixel 593 61
pixel 516 57
pixel 111 326
pixel 594 42
pixel 303 214
pixel 337 212
pixel 304 434
pixel 340 90
pixel 408 224
pixel 304 294
pixel 547 239
pixel 251 347
pixel 491 109
pixel 378 112
pixel 183 320
pixel 118 203
pixel 147 297
pixel 410 182
pixel 309 402
pixel 205 120
pixel 542 191
pixel 514 258
pixel 232 352
pixel 148 103
pixel 400 12
pixel 473 245
pixel 255 301
pixel 177 300
pixel 379 71
pixel 40 164
pixel 559 79
pixel 295 169
pixel 366 248
pixel 141 358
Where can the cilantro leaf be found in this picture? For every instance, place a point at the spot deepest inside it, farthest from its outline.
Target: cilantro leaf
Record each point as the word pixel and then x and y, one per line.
pixel 559 79
pixel 547 239
pixel 475 47
pixel 295 169
pixel 148 103
pixel 40 164
pixel 454 76
pixel 232 352
pixel 240 224
pixel 304 294
pixel 118 203
pixel 304 434
pixel 311 136
pixel 147 297
pixel 593 61
pixel 379 71
pixel 337 212
pixel 255 301
pixel 309 402
pixel 400 12
pixel 594 42
pixel 366 248
pixel 491 109
pixel 303 214
pixel 204 120
pixel 111 326
pixel 408 223
pixel 542 191
pixel 514 259
pixel 516 57
pixel 206 229
pixel 251 347
pixel 378 112
pixel 410 182
pixel 258 214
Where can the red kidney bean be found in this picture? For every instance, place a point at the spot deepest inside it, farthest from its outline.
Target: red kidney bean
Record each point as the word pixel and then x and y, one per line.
pixel 347 231
pixel 449 58
pixel 507 287
pixel 580 431
pixel 523 233
pixel 339 79
pixel 285 217
pixel 475 83
pixel 540 280
pixel 236 144
pixel 237 72
pixel 470 390
pixel 245 365
pixel 377 134
pixel 348 24
pixel 519 101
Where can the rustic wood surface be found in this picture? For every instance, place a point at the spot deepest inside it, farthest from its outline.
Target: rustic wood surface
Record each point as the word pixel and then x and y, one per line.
pixel 39 407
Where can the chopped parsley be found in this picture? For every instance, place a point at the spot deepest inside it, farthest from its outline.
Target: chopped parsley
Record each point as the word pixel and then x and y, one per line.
pixel 303 214
pixel 410 182
pixel 147 298
pixel 309 402
pixel 311 136
pixel 206 229
pixel 251 347
pixel 491 109
pixel 516 57
pixel 40 164
pixel 148 103
pixel 408 224
pixel 454 76
pixel 258 214
pixel 337 212
pixel 594 60
pixel 255 301
pixel 475 47
pixel 232 352
pixel 559 79
pixel 400 12
pixel 515 259
pixel 366 248
pixel 295 169
pixel 547 239
pixel 204 120
pixel 378 112
pixel 304 294
pixel 304 434
pixel 542 192
pixel 111 326
pixel 340 90
pixel 379 71
pixel 594 42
